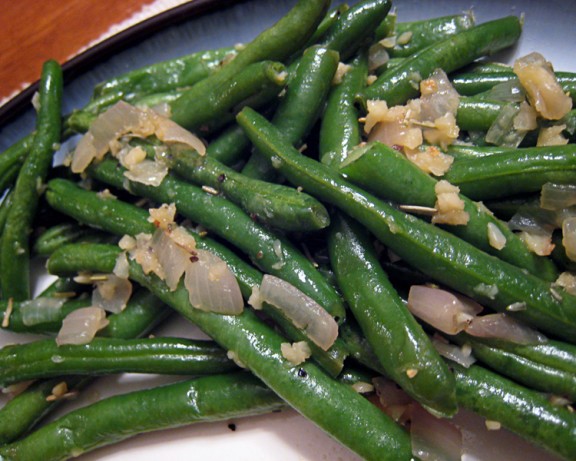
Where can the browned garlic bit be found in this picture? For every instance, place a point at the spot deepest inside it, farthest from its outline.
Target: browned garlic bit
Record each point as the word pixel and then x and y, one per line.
pixel 296 353
pixel 430 118
pixel 541 244
pixel 449 205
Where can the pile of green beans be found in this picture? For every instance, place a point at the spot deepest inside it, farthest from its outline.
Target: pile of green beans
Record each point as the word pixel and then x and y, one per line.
pixel 289 186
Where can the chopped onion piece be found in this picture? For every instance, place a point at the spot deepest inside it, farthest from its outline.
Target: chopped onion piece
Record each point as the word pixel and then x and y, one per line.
pixel 569 237
pixel 377 57
pixel 433 438
pixel 80 326
pixel 502 132
pixel 173 258
pixel 392 400
pixel 557 196
pixel 122 119
pixel 443 310
pixel 112 294
pixel 449 206
pixel 567 280
pixel 502 326
pixel 460 355
pixel 122 266
pixel 212 286
pixel 544 92
pixel 438 97
pixel 40 310
pixel 552 136
pixel 430 160
pixel 304 312
pixel 149 172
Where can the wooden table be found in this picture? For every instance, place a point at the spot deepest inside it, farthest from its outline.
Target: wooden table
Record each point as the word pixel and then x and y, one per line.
pixel 32 31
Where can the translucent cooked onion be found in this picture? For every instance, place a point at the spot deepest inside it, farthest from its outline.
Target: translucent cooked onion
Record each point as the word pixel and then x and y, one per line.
pixel 443 310
pixel 544 92
pixel 502 132
pixel 212 286
pixel 80 326
pixel 173 259
pixel 438 97
pixel 460 355
pixel 304 312
pixel 502 326
pixel 495 236
pixel 41 310
pixel 149 172
pixel 377 57
pixel 557 196
pixel 112 294
pixel 434 438
pixel 122 119
pixel 569 237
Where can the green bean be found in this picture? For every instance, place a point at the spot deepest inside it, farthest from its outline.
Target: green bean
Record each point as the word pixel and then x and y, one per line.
pixel 437 253
pixel 258 82
pixel 230 147
pixel 400 83
pixel 355 26
pixel 210 398
pixel 277 43
pixel 523 411
pixel 386 172
pixel 25 410
pixel 60 234
pixel 310 80
pixel 522 171
pixel 340 129
pixel 329 404
pixel 101 356
pixel 359 347
pixel 471 84
pixel 15 245
pixel 530 373
pixel 268 251
pixel 476 114
pixel 420 34
pixel 404 350
pixel 165 75
pixel 272 204
pixel 8 178
pixel 122 218
pixel 14 157
pixel 326 23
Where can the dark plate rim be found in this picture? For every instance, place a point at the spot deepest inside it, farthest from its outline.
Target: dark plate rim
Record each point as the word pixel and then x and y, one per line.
pixel 82 62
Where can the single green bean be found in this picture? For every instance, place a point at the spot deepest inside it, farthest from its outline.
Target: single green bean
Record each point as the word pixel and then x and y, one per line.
pixel 528 372
pixel 523 411
pixel 391 176
pixel 477 114
pixel 355 27
pixel 521 171
pixel 437 253
pixel 340 130
pixel 15 252
pixel 403 348
pixel 261 81
pixel 400 83
pixel 471 84
pixel 60 234
pixel 210 398
pixel 415 35
pixel 102 356
pixel 331 405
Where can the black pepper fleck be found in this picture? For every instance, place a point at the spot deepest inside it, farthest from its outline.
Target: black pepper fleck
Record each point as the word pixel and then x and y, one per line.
pixel 232 427
pixel 302 373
